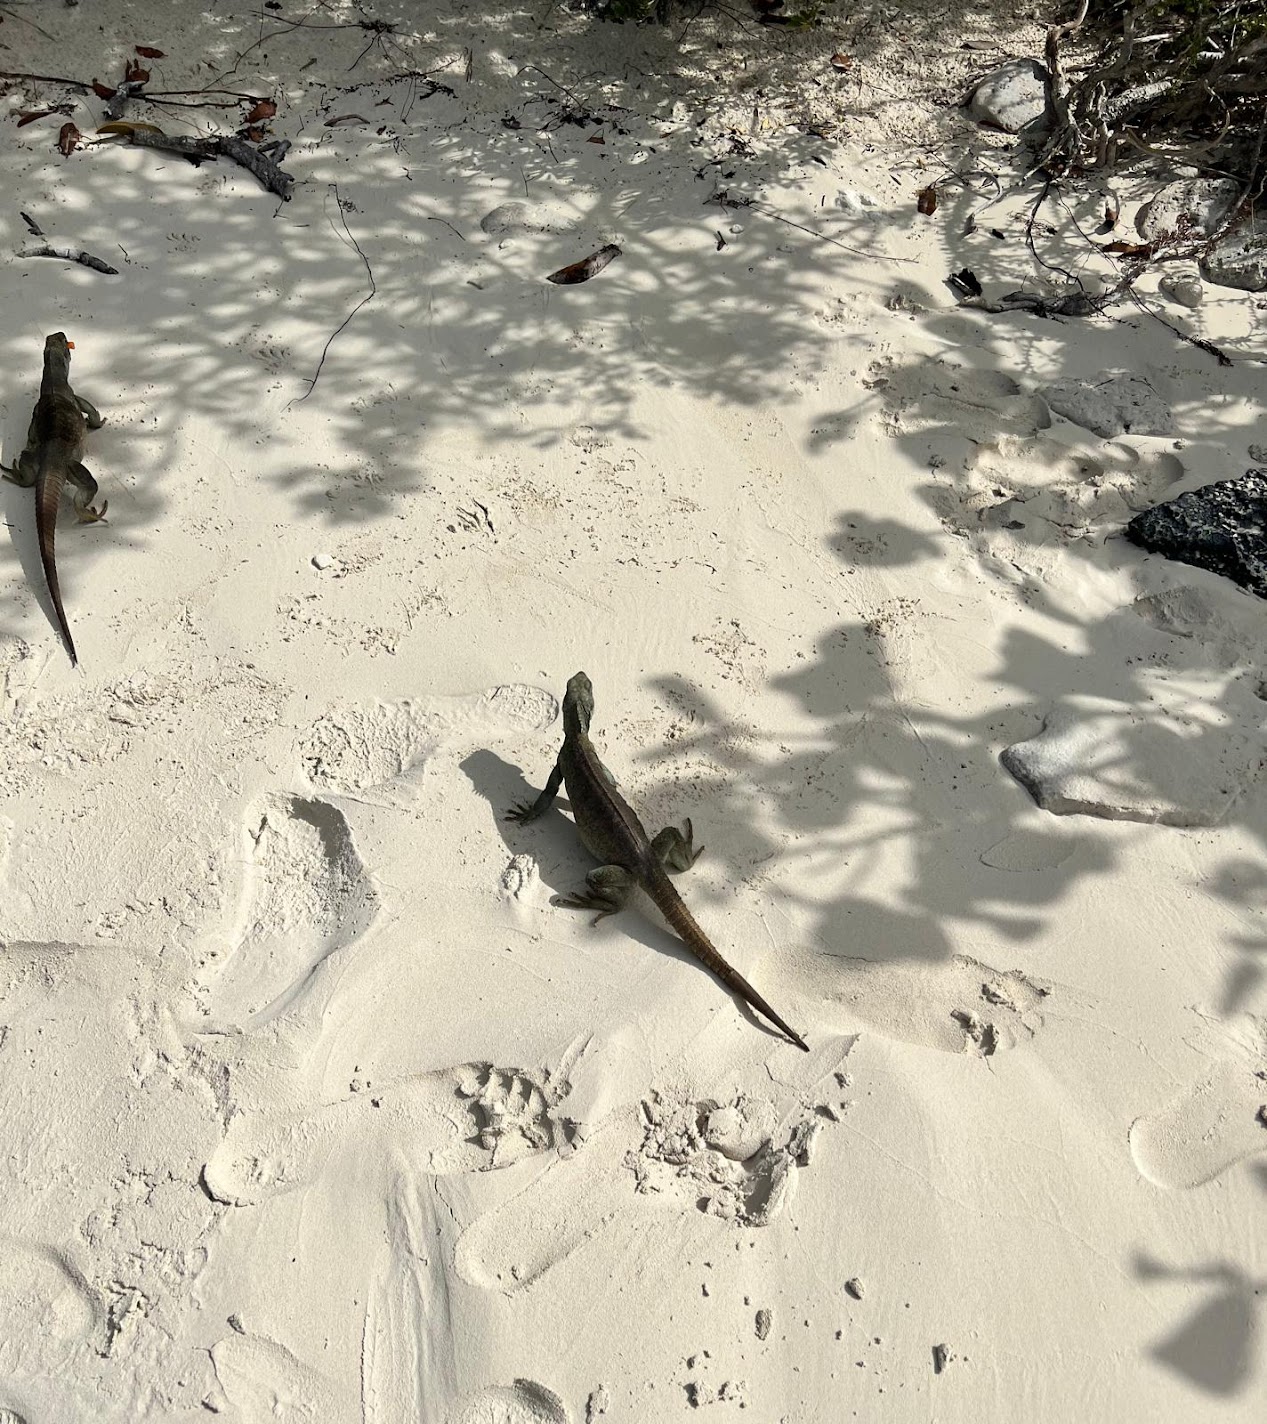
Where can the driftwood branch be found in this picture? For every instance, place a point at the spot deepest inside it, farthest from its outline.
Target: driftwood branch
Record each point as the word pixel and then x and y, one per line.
pixel 62 250
pixel 230 146
pixel 70 254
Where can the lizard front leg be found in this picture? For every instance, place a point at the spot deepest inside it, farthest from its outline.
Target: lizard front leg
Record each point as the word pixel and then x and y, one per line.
pixel 675 849
pixel 610 887
pixel 85 493
pixel 530 810
pixel 91 414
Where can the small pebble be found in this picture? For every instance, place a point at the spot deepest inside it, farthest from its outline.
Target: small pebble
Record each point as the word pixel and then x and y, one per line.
pixel 322 561
pixel 854 1288
pixel 764 1319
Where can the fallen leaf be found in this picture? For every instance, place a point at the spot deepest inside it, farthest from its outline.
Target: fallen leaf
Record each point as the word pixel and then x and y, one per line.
pixel 263 109
pixel 965 281
pixel 841 62
pixel 149 52
pixel 252 133
pixel 596 138
pixel 103 91
pixel 927 203
pixel 128 126
pixel 136 73
pixel 1129 249
pixel 68 139
pixel 345 119
pixel 586 268
pixel 31 115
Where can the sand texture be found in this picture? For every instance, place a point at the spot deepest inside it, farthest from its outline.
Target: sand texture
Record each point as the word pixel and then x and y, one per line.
pixel 316 1110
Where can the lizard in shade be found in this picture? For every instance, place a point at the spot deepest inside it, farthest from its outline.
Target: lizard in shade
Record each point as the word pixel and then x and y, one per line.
pixel 52 459
pixel 611 831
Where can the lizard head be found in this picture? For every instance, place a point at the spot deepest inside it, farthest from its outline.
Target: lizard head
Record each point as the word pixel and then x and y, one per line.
pixel 57 352
pixel 578 704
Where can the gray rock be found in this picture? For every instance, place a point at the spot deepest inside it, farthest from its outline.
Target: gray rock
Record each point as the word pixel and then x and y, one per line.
pixel 1238 260
pixel 1096 757
pixel 1194 207
pixel 1258 453
pixel 515 218
pixel 1012 96
pixel 1187 291
pixel 1110 403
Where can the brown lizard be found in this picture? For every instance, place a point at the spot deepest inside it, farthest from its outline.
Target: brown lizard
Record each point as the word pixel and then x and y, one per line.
pixel 52 458
pixel 611 831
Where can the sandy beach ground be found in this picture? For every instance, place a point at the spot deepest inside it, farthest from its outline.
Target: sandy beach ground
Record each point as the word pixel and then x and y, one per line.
pixel 314 1107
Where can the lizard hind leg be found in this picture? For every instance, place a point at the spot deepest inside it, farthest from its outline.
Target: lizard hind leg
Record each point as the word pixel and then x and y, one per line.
pixel 610 887
pixel 675 849
pixel 23 473
pixel 85 493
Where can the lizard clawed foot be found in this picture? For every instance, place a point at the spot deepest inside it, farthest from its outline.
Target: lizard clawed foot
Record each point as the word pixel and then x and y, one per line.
pixel 88 515
pixel 675 849
pixel 609 887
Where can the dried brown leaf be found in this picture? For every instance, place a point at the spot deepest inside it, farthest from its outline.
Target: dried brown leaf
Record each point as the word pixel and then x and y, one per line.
pixel 136 73
pixel 840 62
pixel 31 115
pixel 586 268
pixel 345 119
pixel 68 139
pixel 103 91
pixel 149 52
pixel 263 109
pixel 927 202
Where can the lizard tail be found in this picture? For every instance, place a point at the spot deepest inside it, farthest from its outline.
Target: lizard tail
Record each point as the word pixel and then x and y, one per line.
pixel 46 530
pixel 673 908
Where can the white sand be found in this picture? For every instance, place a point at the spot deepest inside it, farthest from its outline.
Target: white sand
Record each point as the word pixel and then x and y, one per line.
pixel 314 1108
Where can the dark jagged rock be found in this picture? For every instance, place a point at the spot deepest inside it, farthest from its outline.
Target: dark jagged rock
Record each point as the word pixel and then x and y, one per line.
pixel 1221 527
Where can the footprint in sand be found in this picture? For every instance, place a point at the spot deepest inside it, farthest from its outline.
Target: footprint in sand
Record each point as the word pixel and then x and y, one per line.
pixel 57 1307
pixel 264 1380
pixel 524 1402
pixel 1220 1122
pixel 737 1160
pixel 473 1118
pixel 355 748
pixel 305 895
pixel 958 1005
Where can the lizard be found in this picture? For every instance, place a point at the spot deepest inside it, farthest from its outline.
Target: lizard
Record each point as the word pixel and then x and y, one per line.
pixel 52 458
pixel 610 830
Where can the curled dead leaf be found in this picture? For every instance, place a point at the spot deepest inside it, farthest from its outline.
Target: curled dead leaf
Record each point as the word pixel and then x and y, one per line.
pixel 103 91
pixel 927 202
pixel 345 119
pixel 32 114
pixel 586 268
pixel 841 62
pixel 68 139
pixel 263 109
pixel 136 73
pixel 127 127
pixel 149 52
